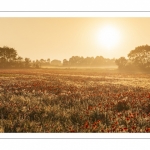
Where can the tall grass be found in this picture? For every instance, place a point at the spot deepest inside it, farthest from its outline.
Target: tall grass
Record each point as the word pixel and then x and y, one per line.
pixel 73 101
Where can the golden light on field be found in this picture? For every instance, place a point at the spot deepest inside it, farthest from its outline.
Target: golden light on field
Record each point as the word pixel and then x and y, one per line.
pixel 109 37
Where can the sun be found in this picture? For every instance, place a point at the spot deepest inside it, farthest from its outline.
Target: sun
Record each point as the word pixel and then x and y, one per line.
pixel 109 37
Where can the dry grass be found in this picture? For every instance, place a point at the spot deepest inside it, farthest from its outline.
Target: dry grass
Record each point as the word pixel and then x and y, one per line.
pixel 74 100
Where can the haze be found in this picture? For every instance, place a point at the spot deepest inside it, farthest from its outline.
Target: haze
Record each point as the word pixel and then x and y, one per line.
pixel 60 38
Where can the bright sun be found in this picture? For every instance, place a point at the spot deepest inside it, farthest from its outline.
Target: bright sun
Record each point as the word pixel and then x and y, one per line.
pixel 109 37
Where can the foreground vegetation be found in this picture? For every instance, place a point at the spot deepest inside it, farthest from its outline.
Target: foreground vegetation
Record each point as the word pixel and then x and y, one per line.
pixel 74 100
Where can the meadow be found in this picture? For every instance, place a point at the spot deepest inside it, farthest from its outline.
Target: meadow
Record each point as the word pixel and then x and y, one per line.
pixel 68 100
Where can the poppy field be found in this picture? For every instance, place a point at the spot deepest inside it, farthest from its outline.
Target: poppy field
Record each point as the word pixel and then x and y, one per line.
pixel 74 100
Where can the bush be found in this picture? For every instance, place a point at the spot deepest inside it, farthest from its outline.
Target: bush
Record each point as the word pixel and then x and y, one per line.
pixel 122 105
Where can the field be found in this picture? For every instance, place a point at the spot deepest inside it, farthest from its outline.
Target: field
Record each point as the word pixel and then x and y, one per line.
pixel 74 100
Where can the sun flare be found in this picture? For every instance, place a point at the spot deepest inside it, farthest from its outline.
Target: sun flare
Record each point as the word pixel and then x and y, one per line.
pixel 109 37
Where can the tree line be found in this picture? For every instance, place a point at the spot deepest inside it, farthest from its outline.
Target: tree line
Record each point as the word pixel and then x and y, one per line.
pixel 138 59
pixel 10 59
pixel 98 61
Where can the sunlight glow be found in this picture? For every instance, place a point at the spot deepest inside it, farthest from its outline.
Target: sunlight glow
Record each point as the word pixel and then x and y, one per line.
pixel 109 37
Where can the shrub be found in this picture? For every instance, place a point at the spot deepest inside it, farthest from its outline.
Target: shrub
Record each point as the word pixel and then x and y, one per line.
pixel 122 105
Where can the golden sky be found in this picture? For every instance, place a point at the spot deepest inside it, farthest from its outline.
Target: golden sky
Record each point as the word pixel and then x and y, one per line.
pixel 59 38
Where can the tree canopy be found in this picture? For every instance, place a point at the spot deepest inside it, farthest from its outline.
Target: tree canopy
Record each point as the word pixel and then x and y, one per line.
pixel 7 56
pixel 7 53
pixel 138 59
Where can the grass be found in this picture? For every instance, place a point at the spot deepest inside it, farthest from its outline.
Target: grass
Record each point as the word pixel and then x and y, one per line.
pixel 74 100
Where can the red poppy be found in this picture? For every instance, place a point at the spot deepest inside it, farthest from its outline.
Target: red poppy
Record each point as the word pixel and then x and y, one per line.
pixel 148 96
pixel 86 125
pixel 132 116
pixel 98 121
pixel 116 122
pixel 89 107
pixel 125 128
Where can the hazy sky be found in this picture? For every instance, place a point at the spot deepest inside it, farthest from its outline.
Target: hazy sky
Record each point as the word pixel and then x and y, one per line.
pixel 59 38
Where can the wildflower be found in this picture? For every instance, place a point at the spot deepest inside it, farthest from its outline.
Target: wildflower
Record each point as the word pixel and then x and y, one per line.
pixel 125 129
pixel 86 125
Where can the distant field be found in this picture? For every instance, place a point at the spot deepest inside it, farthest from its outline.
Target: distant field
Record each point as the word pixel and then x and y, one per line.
pixel 74 100
pixel 62 67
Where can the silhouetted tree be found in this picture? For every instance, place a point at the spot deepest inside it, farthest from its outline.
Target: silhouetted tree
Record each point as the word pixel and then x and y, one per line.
pixel 7 56
pixel 37 64
pixel 75 60
pixel 56 62
pixel 99 61
pixel 27 63
pixel 48 61
pixel 88 61
pixel 19 62
pixel 140 57
pixel 121 62
pixel 65 62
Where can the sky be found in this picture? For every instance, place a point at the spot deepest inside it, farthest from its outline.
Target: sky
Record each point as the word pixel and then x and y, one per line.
pixel 64 37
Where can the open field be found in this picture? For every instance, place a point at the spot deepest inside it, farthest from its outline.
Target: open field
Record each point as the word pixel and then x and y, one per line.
pixel 74 100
